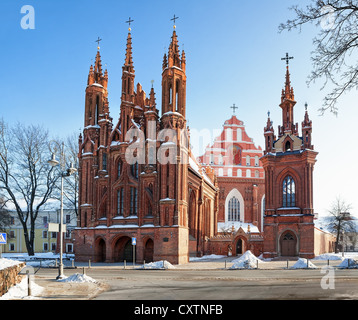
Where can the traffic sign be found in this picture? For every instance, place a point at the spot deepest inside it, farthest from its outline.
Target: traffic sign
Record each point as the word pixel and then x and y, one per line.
pixel 2 238
pixel 134 241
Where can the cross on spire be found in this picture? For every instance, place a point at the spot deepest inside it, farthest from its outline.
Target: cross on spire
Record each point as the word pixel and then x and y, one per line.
pixel 174 19
pixel 287 58
pixel 129 23
pixel 98 41
pixel 234 108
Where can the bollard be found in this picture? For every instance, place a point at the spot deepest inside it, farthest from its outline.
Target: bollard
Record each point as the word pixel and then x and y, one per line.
pixel 28 283
pixel 163 265
pixel 327 262
pixel 225 264
pixel 73 263
pixel 83 270
pixel 143 264
pixel 257 264
pixel 307 263
pixel 124 264
pixel 287 264
pixel 89 263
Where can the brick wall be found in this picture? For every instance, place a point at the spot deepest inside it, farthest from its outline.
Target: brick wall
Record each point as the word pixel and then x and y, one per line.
pixel 9 277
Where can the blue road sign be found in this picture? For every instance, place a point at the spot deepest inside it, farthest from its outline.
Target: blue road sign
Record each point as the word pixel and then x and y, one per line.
pixel 134 241
pixel 2 238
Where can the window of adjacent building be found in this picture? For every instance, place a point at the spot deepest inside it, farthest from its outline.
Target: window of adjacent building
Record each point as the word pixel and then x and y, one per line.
pixel 239 173
pixel 133 202
pixel 68 219
pixel 44 234
pixel 256 161
pixel 53 246
pixel 234 209
pixel 12 234
pixel 248 160
pixel 221 161
pixel 289 192
pixel 229 172
pixel 45 246
pixel 221 172
pixel 248 173
pixel 11 247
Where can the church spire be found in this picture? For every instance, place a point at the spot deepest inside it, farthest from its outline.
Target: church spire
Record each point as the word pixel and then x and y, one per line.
pixel 128 69
pixel 287 104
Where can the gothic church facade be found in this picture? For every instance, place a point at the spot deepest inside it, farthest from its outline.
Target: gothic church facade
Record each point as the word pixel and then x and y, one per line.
pixel 138 178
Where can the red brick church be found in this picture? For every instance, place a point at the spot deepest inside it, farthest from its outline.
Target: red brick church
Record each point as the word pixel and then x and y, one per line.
pixel 139 178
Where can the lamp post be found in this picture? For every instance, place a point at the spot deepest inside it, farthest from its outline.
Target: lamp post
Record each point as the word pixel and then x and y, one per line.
pixel 71 170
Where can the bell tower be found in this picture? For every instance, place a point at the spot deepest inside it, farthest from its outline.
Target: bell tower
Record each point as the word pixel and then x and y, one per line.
pixel 174 79
pixel 288 162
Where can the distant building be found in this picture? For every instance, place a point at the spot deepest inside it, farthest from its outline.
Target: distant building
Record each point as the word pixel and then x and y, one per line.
pixel 45 241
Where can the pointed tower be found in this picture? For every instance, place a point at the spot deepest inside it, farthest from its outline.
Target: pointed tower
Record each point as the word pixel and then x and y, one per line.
pixel 174 150
pixel 94 142
pixel 128 94
pixel 288 163
pixel 174 80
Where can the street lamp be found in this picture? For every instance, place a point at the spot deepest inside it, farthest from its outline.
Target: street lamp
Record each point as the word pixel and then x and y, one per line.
pixel 71 170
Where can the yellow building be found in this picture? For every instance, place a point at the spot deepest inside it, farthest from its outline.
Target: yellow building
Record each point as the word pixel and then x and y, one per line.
pixel 45 241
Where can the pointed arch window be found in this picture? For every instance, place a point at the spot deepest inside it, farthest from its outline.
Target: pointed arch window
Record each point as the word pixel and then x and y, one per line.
pixel 133 201
pixel 234 209
pixel 120 202
pixel 119 168
pixel 289 192
pixel 134 170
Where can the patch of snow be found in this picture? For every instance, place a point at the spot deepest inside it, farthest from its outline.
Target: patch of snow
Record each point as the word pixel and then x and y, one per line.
pixel 350 263
pixel 20 291
pixel 302 264
pixel 78 278
pixel 207 257
pixel 328 256
pixel 158 265
pixel 7 263
pixel 246 261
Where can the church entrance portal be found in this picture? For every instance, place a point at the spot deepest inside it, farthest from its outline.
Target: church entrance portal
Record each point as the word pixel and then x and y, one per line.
pixel 288 245
pixel 123 250
pixel 239 247
pixel 149 251
pixel 100 251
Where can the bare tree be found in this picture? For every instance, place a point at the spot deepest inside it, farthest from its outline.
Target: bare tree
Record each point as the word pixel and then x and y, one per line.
pixel 5 218
pixel 340 221
pixel 26 180
pixel 334 57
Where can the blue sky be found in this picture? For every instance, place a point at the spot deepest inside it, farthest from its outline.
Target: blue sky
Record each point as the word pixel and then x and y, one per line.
pixel 233 52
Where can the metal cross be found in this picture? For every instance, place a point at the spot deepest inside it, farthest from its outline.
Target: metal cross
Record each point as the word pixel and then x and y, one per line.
pixel 175 18
pixel 287 58
pixel 129 22
pixel 98 41
pixel 234 107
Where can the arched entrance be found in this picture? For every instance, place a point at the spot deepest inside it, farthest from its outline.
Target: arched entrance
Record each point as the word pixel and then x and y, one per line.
pixel 123 250
pixel 149 250
pixel 239 246
pixel 100 250
pixel 288 244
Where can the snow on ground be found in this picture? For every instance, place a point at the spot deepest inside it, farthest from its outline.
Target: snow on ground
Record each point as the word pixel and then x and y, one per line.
pixel 350 263
pixel 302 264
pixel 246 261
pixel 158 265
pixel 329 256
pixel 78 278
pixel 6 263
pixel 20 291
pixel 207 257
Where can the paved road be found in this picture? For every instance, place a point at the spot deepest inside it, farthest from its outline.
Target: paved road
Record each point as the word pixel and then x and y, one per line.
pixel 219 284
